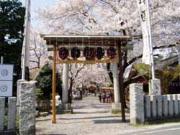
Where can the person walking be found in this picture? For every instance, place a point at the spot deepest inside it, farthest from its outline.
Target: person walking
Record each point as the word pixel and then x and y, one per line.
pixel 104 96
pixel 99 97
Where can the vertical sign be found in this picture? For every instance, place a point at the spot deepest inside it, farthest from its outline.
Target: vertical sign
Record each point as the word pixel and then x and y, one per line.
pixel 6 80
pixel 144 17
pixel 143 6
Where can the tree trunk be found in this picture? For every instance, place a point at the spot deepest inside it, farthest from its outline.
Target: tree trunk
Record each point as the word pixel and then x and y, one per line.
pixel 39 62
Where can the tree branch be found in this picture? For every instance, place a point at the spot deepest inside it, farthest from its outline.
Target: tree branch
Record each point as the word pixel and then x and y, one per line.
pixel 154 48
pixel 79 70
pixel 132 80
pixel 111 5
pixel 34 61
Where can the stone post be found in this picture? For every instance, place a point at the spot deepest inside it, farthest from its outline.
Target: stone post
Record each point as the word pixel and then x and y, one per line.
pixel 147 107
pixel 2 112
pixel 155 89
pixel 136 104
pixel 178 98
pixel 154 106
pixel 27 109
pixel 176 107
pixel 11 113
pixel 159 106
pixel 165 106
pixel 116 106
pixel 170 105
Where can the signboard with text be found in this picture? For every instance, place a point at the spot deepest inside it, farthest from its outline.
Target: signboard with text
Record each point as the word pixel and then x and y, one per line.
pixel 143 6
pixel 6 80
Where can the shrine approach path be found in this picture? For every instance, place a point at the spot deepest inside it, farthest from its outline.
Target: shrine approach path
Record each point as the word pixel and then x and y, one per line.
pixel 89 118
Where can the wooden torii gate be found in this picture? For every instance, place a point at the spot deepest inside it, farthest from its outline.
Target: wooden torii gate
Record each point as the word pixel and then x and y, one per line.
pixel 54 42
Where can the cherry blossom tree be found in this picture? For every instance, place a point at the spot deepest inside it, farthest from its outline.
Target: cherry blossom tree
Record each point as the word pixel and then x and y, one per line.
pixel 84 75
pixel 74 71
pixel 95 74
pixel 102 17
pixel 38 51
pixel 115 17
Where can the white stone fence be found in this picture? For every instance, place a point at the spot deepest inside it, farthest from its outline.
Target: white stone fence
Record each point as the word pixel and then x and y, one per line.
pixel 8 115
pixel 152 108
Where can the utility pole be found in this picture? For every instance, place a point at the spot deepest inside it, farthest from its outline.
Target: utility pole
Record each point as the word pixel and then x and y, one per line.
pixel 26 41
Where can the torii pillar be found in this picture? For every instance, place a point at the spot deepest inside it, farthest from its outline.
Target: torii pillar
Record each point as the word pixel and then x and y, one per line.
pixel 116 106
pixel 66 105
pixel 65 84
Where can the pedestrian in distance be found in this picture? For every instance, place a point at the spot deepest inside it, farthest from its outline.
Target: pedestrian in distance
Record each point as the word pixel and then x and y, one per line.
pixel 99 97
pixel 104 96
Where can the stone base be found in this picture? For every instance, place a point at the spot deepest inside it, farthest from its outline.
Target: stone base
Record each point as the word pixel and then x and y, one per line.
pixel 27 108
pixel 155 89
pixel 30 131
pixel 64 108
pixel 59 109
pixel 116 108
pixel 7 132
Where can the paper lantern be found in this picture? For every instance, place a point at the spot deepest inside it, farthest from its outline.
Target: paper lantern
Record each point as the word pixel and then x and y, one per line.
pixel 100 53
pixel 89 53
pixel 111 52
pixel 75 52
pixel 63 53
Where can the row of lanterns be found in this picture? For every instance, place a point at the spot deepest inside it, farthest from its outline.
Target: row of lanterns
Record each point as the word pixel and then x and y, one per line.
pixel 90 53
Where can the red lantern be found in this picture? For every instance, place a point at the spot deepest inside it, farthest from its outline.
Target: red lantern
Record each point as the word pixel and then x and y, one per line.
pixel 111 52
pixel 89 53
pixel 63 53
pixel 75 52
pixel 100 53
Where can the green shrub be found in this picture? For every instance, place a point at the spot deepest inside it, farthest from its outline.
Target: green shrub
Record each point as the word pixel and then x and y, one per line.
pixel 44 83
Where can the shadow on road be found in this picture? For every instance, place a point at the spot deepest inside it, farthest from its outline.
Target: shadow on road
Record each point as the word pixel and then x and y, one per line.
pixel 99 117
pixel 95 112
pixel 110 121
pixel 55 134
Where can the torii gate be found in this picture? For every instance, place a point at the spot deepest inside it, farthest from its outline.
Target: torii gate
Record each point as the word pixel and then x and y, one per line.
pixel 62 44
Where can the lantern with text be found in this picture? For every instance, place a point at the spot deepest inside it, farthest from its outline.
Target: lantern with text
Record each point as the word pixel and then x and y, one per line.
pixel 100 53
pixel 111 52
pixel 63 53
pixel 75 52
pixel 89 53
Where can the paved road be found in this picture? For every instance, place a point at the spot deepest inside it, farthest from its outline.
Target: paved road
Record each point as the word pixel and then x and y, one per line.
pixel 93 118
pixel 165 129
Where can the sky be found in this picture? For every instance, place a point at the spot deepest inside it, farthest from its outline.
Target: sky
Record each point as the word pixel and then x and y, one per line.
pixel 37 5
